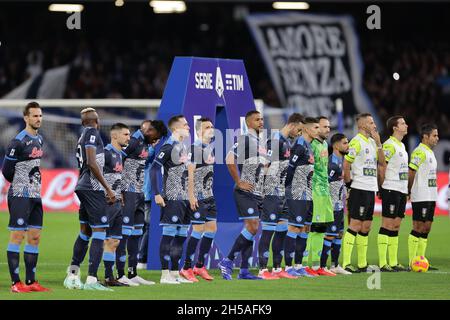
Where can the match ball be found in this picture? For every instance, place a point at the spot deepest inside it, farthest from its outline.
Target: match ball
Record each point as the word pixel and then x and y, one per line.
pixel 420 264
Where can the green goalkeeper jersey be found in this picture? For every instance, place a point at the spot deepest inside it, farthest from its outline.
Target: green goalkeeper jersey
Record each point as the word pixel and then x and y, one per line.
pixel 322 204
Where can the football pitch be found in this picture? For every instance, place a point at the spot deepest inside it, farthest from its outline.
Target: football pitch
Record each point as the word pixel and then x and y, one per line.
pixel 60 230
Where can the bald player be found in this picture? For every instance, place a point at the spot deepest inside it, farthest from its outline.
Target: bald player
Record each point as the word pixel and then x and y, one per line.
pixel 361 167
pixel 95 194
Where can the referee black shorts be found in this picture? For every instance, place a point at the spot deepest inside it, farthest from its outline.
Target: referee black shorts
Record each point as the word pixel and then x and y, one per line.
pixel 393 204
pixel 423 211
pixel 361 204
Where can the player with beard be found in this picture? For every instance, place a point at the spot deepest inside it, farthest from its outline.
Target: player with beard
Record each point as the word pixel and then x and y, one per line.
pixel 275 212
pixel 135 157
pixel 249 155
pixel 21 168
pixel 120 137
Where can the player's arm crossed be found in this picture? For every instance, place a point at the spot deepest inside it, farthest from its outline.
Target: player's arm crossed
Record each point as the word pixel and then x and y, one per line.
pixel 98 174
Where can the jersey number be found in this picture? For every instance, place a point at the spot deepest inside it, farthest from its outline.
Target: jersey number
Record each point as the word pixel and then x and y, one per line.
pixel 80 157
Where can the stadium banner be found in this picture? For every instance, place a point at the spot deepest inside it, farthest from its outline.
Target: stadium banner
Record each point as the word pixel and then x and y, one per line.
pixel 49 84
pixel 313 62
pixel 58 186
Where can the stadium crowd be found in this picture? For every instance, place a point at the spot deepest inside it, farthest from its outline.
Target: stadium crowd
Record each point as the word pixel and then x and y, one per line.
pixel 122 61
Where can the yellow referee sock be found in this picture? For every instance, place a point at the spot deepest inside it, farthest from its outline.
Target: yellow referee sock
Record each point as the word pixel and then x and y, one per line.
pixel 413 243
pixel 362 241
pixel 383 241
pixel 422 247
pixel 393 249
pixel 347 247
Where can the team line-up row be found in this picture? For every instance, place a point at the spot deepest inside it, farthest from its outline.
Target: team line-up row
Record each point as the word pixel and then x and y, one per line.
pixel 292 186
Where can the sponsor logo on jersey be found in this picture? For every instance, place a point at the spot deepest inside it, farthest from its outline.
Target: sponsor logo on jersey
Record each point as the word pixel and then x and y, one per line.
pixel 262 150
pixel 210 159
pixel 118 167
pixel 143 154
pixel 36 153
pixel 184 158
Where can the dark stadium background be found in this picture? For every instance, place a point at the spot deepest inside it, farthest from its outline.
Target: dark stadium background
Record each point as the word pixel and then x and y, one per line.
pixel 126 52
pixel 130 49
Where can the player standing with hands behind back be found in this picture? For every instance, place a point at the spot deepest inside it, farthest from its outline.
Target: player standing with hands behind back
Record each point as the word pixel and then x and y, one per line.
pixel 361 165
pixel 21 168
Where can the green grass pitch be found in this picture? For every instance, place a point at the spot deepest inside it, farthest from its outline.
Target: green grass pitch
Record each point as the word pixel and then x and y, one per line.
pixel 61 229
